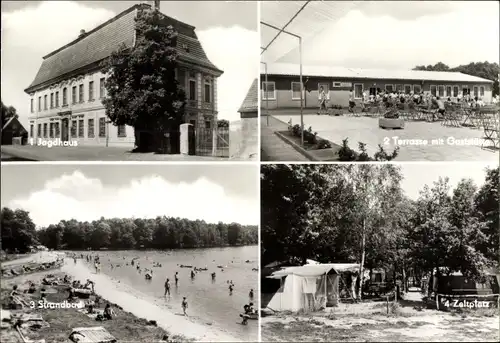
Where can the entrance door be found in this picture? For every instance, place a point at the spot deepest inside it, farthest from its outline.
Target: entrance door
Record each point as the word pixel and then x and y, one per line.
pixel 191 140
pixel 65 130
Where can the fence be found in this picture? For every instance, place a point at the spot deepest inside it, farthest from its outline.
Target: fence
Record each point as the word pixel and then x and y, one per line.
pixel 205 141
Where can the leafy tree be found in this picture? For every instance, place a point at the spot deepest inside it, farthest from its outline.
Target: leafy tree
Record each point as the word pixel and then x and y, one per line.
pixel 7 113
pixel 142 90
pixel 18 230
pixel 223 123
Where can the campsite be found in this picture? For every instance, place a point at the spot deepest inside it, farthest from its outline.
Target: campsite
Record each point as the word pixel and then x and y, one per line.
pixel 353 253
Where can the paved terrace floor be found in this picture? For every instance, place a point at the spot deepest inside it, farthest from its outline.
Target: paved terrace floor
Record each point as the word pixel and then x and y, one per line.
pixel 366 130
pixel 272 147
pixel 90 153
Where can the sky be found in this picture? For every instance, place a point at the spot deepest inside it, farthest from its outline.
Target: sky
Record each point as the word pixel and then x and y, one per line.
pixel 227 193
pixel 397 34
pixel 32 29
pixel 417 175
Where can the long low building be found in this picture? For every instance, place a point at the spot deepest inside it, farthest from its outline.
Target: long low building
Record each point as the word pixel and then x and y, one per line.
pixel 282 89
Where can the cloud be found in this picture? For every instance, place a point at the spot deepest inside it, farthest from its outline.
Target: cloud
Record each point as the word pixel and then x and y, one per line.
pixel 469 33
pixel 236 51
pixel 80 197
pixel 34 31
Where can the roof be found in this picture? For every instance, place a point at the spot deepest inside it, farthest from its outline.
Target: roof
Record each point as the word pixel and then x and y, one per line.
pixel 91 335
pixel 250 104
pixel 290 69
pixel 11 121
pixel 314 269
pixel 99 43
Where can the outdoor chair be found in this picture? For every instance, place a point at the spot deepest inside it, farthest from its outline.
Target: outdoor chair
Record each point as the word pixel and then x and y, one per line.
pixel 491 129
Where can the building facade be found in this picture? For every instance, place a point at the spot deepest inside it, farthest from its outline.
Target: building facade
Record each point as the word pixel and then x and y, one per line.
pixel 244 133
pixel 67 92
pixel 283 85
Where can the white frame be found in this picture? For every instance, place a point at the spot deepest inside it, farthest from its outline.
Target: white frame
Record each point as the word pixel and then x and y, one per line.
pixel 411 88
pixel 195 89
pixel 354 90
pixel 209 84
pixel 262 92
pixel 392 86
pixel 430 90
pixel 419 90
pixel 453 91
pixel 484 91
pixel 473 92
pixel 396 87
pixel 291 90
pixel 327 93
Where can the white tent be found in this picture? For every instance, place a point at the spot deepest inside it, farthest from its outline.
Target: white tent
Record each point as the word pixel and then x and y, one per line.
pixel 309 287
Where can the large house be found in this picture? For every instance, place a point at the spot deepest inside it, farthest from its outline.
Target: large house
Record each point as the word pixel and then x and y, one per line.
pixel 67 91
pixel 283 84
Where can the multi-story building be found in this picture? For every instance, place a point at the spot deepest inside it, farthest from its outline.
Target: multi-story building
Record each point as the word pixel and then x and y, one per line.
pixel 67 91
pixel 282 89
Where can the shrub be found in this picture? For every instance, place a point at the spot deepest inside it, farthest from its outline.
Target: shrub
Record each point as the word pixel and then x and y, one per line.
pixel 363 156
pixel 346 153
pixel 324 144
pixel 310 137
pixel 392 113
pixel 382 155
pixel 296 130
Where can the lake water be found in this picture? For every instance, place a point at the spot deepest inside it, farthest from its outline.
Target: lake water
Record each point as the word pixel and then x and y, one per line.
pixel 210 301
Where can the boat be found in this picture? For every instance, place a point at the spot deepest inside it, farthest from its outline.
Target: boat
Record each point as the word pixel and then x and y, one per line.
pixel 185 266
pixel 221 266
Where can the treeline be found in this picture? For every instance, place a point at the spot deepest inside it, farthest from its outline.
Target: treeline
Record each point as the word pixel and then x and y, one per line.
pixel 18 232
pixel 484 70
pixel 360 214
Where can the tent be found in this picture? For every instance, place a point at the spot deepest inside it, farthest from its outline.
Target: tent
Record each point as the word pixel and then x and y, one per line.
pixel 309 287
pixel 455 283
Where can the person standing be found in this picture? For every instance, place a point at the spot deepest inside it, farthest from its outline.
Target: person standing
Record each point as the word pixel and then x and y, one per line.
pixel 184 305
pixel 322 100
pixel 176 276
pixel 167 287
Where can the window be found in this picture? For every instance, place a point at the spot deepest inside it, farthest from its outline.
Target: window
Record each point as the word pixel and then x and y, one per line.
pixel 39 103
pixel 91 91
pixel 481 91
pixel 73 128
pixel 51 130
pixel 122 132
pixel 73 95
pixel 448 91
pixel 192 90
pixel 326 88
pixel 39 130
pixel 207 93
pixel 441 90
pixel 337 84
pixel 455 91
pixel 81 128
pixel 433 90
pixel 207 124
pixel 57 132
pixel 32 129
pixel 399 88
pixel 268 91
pixel 45 130
pixel 296 90
pixel 407 89
pixel 80 93
pixel 90 132
pixel 65 97
pixel 476 91
pixel 417 89
pixel 101 88
pixel 45 102
pixel 102 127
pixel 32 106
pixel 358 90
pixel 51 100
pixel 57 99
pixel 465 91
pixel 389 88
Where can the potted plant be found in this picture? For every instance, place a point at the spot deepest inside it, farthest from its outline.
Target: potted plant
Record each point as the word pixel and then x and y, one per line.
pixel 391 119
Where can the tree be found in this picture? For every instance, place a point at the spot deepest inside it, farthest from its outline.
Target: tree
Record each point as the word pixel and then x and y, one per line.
pixel 7 113
pixel 223 123
pixel 142 90
pixel 18 230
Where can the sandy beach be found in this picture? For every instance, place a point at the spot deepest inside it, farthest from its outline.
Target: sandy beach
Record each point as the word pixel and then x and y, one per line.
pixel 145 307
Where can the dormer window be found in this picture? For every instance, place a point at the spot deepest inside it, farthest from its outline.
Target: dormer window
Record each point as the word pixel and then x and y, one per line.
pixel 185 47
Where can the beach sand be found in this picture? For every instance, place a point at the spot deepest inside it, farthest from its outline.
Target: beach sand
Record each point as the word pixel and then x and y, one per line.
pixel 145 307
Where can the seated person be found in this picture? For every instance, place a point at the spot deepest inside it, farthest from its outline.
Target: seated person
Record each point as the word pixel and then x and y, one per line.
pixel 108 312
pixel 91 309
pixel 250 308
pixel 14 291
pixel 246 309
pixel 32 288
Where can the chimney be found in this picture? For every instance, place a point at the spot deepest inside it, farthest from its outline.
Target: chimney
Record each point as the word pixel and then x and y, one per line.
pixel 82 33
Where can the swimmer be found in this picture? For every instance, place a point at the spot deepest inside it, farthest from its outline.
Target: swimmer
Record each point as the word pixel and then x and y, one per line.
pixel 176 278
pixel 231 289
pixel 167 287
pixel 192 274
pixel 184 305
pixel 250 295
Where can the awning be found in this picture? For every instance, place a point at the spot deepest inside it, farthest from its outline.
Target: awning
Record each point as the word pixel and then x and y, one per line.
pixel 314 269
pixel 302 18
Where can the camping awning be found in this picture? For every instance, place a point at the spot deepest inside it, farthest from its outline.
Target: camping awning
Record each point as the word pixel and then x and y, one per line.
pixel 302 18
pixel 314 269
